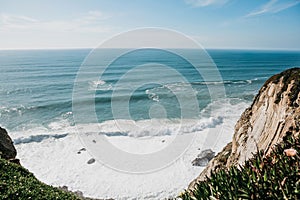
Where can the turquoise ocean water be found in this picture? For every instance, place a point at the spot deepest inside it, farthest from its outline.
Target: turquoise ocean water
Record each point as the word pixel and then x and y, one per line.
pixel 36 85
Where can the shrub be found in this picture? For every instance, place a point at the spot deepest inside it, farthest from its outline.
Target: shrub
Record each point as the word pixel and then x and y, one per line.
pixel 274 176
pixel 18 183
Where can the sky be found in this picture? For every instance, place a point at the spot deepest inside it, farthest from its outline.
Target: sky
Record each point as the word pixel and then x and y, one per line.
pixel 227 24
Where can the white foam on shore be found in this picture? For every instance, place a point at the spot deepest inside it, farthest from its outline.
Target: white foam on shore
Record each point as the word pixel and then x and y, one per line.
pixel 53 157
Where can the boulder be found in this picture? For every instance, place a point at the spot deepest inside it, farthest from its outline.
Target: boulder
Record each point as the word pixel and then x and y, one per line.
pixel 91 161
pixel 203 158
pixel 7 149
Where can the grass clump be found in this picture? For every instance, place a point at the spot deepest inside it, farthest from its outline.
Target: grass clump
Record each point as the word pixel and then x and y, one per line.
pixel 275 176
pixel 18 183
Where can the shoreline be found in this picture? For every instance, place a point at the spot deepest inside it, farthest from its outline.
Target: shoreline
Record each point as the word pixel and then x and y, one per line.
pixel 77 176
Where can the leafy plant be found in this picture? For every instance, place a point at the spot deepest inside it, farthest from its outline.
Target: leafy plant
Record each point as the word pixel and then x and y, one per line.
pixel 18 183
pixel 274 176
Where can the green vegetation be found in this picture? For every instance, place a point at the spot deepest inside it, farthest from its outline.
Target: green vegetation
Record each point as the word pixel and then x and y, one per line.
pixel 18 183
pixel 274 176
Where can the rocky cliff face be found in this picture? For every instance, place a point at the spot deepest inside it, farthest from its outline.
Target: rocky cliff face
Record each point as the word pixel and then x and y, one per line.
pixel 274 113
pixel 7 149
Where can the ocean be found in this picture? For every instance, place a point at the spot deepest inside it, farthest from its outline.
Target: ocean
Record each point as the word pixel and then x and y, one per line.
pixel 36 95
pixel 36 85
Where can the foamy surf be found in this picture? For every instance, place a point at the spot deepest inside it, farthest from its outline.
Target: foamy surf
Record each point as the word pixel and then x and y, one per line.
pixel 99 85
pixel 52 153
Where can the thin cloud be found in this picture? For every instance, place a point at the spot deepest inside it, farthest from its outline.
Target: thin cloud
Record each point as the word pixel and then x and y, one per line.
pixel 91 22
pixel 273 6
pixel 8 22
pixel 204 3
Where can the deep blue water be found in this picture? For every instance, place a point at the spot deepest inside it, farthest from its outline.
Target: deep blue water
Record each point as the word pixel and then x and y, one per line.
pixel 36 85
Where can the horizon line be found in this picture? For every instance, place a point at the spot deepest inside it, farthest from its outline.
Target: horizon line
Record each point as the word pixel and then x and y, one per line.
pixel 208 48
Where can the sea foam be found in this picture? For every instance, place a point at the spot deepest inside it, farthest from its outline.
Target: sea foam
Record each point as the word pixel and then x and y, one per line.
pixel 51 152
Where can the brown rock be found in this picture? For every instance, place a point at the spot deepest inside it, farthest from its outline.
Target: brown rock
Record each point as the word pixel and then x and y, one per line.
pixel 274 113
pixel 7 149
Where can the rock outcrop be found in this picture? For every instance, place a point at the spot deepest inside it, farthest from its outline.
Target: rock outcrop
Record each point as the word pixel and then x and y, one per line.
pixel 274 113
pixel 203 158
pixel 7 149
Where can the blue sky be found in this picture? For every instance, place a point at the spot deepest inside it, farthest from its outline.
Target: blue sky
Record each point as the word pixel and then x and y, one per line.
pixel 255 24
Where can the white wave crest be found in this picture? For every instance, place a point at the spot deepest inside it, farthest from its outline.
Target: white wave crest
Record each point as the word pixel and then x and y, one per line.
pixel 56 147
pixel 153 96
pixel 99 85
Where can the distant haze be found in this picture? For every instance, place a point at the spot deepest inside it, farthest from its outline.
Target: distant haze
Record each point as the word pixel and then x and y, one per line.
pixel 257 24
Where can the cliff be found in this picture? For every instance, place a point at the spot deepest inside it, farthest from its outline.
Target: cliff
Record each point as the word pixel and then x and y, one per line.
pixel 274 113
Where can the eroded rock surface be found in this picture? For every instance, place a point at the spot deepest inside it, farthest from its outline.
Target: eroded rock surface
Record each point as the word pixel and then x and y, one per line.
pixel 274 113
